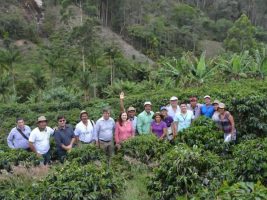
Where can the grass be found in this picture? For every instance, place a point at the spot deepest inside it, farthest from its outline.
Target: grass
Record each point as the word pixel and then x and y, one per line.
pixel 135 188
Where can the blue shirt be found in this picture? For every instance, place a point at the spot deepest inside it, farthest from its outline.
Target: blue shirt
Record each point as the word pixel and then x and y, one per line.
pixel 104 129
pixel 16 141
pixel 63 136
pixel 207 111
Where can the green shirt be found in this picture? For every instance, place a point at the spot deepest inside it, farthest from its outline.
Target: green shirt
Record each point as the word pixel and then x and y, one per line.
pixel 144 122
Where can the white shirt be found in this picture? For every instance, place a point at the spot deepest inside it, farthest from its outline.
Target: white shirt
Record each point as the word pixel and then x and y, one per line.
pixel 41 139
pixel 84 132
pixel 173 113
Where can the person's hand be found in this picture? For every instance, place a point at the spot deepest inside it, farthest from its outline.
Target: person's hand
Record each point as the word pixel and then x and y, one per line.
pixel 161 138
pixel 55 128
pixel 121 95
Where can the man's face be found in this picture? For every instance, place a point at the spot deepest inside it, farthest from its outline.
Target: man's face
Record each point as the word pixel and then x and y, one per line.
pixel 174 102
pixel 42 124
pixel 215 106
pixel 207 101
pixel 84 117
pixel 131 113
pixel 148 108
pixel 20 123
pixel 106 115
pixel 193 102
pixel 62 122
pixel 183 107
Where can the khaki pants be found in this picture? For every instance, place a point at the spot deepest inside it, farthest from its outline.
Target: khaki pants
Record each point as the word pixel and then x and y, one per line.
pixel 108 147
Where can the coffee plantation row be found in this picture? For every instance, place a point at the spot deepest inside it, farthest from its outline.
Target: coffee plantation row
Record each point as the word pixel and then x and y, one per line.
pixel 199 165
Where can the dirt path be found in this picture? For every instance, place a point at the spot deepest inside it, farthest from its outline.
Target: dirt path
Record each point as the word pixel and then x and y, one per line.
pixel 109 37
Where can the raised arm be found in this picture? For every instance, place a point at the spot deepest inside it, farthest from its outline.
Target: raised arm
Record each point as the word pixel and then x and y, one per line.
pixel 122 109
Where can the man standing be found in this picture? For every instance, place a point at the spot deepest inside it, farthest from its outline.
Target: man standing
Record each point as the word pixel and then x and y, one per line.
pixel 104 131
pixel 207 109
pixel 39 139
pixel 145 118
pixel 64 137
pixel 84 130
pixel 131 112
pixel 173 108
pixel 194 106
pixel 19 136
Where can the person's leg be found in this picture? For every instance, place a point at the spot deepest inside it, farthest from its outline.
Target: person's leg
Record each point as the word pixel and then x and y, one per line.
pixel 61 156
pixel 47 158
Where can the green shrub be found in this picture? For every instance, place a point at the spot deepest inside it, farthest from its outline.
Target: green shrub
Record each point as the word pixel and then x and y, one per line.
pixel 203 133
pixel 145 148
pixel 183 171
pixel 242 191
pixel 74 181
pixel 250 158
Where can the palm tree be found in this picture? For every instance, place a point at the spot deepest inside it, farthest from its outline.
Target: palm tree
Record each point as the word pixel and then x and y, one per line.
pixel 8 57
pixel 85 83
pixel 4 85
pixel 38 80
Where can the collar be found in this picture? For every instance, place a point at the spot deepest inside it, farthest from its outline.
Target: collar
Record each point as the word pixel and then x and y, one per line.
pixel 23 129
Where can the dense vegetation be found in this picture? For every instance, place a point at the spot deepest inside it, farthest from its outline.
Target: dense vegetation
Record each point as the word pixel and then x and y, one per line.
pixel 54 60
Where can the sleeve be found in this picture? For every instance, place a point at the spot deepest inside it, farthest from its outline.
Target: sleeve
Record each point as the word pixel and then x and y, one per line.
pixel 117 140
pixel 32 137
pixel 29 130
pixel 57 139
pixel 139 124
pixel 164 125
pixel 51 131
pixel 175 119
pixel 77 131
pixel 72 132
pixel 10 139
pixel 96 131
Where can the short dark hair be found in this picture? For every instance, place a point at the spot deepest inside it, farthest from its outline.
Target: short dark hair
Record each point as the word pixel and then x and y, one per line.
pixel 60 117
pixel 183 102
pixel 19 119
pixel 106 110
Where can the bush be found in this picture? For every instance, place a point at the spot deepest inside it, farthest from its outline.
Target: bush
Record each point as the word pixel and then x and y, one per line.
pixel 183 172
pixel 203 133
pixel 146 148
pixel 250 158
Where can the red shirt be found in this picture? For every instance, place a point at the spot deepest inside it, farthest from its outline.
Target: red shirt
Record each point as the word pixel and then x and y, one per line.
pixel 123 132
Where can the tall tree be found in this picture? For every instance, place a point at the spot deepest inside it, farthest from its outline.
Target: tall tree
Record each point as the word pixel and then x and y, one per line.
pixel 8 58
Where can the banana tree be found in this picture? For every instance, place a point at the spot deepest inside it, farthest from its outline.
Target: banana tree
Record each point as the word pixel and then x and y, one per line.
pixel 237 66
pixel 260 67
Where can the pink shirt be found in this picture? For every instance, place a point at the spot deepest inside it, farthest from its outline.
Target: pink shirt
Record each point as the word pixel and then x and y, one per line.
pixel 123 132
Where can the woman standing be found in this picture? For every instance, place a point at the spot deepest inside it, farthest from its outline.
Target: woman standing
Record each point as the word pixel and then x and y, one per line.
pixel 226 124
pixel 169 122
pixel 123 129
pixel 158 126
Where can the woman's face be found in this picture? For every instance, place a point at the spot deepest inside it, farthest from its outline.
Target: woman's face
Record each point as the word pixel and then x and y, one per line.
pixel 124 116
pixel 215 106
pixel 157 118
pixel 164 113
pixel 221 110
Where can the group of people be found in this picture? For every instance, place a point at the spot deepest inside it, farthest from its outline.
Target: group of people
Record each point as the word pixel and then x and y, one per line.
pixel 167 123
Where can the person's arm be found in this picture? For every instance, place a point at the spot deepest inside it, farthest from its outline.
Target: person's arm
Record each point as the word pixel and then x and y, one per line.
pixel 139 124
pixel 96 132
pixel 122 102
pixel 10 140
pixel 117 140
pixel 173 127
pixel 232 122
pixel 133 129
pixel 164 133
pixel 33 149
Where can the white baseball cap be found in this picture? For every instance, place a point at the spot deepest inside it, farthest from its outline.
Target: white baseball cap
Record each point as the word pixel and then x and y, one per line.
pixel 207 96
pixel 173 98
pixel 147 103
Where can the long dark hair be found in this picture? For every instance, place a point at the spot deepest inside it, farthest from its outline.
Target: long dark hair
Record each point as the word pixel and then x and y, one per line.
pixel 120 120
